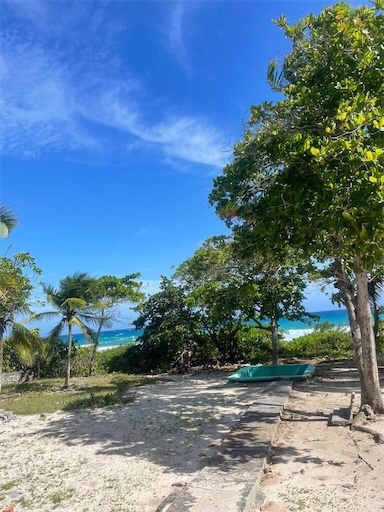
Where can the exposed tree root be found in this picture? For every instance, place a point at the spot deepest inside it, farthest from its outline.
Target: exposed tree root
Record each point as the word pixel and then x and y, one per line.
pixel 360 421
pixel 378 438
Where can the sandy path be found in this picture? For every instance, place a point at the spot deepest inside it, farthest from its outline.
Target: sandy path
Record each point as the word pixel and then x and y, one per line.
pixel 125 458
pixel 316 467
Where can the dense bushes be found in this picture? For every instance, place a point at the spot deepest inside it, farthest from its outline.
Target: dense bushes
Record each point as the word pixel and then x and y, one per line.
pixel 254 346
pixel 332 343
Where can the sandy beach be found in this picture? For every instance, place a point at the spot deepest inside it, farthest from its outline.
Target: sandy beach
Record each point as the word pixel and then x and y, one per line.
pixel 122 458
pixel 131 457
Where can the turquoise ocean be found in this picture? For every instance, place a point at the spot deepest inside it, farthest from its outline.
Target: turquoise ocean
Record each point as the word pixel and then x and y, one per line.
pixel 291 330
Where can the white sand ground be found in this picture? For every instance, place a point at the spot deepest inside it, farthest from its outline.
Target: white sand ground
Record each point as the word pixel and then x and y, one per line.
pixel 130 458
pixel 123 458
pixel 321 468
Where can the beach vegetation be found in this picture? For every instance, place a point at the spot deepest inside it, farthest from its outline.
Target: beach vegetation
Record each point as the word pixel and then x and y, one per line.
pixel 309 171
pixel 73 304
pixel 330 344
pixel 8 220
pixel 170 328
pixel 108 293
pixel 16 284
pixel 40 358
pixel 230 287
pixel 213 291
pixel 47 395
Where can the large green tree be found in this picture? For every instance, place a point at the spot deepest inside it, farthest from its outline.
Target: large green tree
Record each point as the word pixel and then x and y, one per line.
pixel 73 304
pixel 16 286
pixel 109 292
pixel 169 326
pixel 309 170
pixel 230 288
pixel 213 289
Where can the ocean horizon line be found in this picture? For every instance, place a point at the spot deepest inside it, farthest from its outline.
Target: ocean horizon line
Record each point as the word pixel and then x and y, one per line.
pixel 290 330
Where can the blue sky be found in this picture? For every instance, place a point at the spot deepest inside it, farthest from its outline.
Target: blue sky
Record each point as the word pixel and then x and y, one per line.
pixel 115 118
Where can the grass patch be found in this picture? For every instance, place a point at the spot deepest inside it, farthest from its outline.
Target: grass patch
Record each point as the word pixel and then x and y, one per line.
pixel 8 485
pixel 58 497
pixel 48 395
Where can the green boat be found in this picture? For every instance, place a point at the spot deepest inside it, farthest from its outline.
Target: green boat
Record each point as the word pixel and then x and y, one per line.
pixel 281 371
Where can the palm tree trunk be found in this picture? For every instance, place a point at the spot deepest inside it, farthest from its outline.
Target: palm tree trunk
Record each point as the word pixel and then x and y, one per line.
pixel 69 351
pixel 1 355
pixel 275 342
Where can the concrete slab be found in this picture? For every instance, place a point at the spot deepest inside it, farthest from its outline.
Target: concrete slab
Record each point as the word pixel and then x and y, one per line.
pixel 230 480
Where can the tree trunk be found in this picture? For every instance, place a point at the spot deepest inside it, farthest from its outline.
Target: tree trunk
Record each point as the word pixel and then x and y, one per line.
pixel 38 368
pixel 1 355
pixel 95 347
pixel 370 385
pixel 275 341
pixel 356 300
pixel 69 351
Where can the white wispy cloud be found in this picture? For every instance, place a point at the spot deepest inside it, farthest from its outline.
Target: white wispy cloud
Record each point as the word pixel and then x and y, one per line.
pixel 52 100
pixel 188 138
pixel 35 11
pixel 175 34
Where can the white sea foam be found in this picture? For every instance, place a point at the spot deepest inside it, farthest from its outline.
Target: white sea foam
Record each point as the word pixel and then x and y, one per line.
pixel 102 349
pixel 291 334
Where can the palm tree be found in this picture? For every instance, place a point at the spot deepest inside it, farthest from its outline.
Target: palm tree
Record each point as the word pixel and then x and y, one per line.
pixel 375 289
pixel 72 302
pixel 30 348
pixel 8 221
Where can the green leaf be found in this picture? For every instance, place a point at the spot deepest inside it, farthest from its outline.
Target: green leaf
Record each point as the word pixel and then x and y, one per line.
pixel 315 151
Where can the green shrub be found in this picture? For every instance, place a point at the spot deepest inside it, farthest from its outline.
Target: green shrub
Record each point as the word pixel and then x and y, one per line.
pixel 333 343
pixel 255 345
pixel 123 359
pixel 52 366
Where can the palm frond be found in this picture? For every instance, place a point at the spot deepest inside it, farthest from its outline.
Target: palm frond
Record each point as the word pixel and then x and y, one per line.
pixel 24 342
pixel 73 303
pixel 85 329
pixel 8 220
pixel 92 319
pixel 45 315
pixel 375 287
pixel 56 331
pixel 279 77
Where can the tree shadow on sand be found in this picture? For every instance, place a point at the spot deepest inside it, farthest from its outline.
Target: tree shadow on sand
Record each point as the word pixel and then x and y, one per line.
pixel 177 425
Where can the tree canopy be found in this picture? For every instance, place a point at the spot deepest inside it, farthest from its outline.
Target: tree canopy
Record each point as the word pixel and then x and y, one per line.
pixel 16 276
pixel 309 171
pixel 229 289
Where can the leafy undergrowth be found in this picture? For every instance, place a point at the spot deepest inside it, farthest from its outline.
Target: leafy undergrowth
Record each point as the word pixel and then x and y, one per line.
pixel 48 395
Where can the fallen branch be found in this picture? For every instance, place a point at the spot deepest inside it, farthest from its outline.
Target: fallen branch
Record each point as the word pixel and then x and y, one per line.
pixel 367 463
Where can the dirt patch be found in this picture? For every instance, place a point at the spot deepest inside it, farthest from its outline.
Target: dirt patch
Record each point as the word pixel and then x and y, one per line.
pixel 317 467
